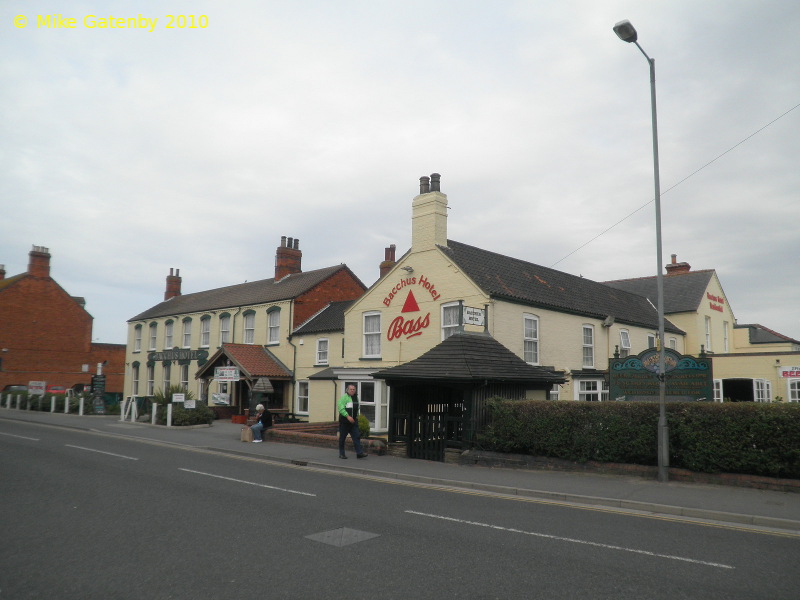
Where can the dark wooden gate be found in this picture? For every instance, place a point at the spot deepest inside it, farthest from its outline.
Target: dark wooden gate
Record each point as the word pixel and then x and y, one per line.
pixel 428 438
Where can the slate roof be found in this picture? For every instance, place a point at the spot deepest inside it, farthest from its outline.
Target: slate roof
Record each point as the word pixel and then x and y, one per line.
pixel 683 292
pixel 330 318
pixel 242 294
pixel 758 334
pixel 470 356
pixel 253 361
pixel 520 281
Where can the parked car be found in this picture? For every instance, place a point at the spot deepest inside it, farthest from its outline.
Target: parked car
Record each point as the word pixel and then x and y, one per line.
pixel 15 388
pixel 55 389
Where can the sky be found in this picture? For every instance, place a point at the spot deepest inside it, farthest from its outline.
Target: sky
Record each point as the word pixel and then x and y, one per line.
pixel 130 151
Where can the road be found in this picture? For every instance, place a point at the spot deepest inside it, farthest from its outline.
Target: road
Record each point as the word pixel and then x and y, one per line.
pixel 87 515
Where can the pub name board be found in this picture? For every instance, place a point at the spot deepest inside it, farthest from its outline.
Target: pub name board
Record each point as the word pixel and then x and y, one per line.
pixel 183 356
pixel 634 378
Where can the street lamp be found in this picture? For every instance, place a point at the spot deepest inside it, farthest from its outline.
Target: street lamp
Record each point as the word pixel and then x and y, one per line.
pixel 627 33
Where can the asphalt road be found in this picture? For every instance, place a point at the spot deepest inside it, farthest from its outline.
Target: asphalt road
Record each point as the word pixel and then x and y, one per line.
pixel 87 515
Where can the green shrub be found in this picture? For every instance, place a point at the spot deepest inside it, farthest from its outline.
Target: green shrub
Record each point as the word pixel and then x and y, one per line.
pixel 363 426
pixel 181 416
pixel 758 439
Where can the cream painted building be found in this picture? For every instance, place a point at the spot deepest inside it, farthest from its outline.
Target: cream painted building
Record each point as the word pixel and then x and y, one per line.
pixel 548 318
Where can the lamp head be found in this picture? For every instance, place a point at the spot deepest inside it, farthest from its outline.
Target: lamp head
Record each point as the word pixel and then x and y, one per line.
pixel 625 31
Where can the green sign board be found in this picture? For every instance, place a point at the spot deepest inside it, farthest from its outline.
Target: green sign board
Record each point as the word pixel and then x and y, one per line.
pixel 635 378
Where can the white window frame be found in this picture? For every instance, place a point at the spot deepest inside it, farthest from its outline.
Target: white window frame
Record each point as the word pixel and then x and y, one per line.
pixel 322 351
pixel 708 334
pixel 371 337
pixel 185 377
pixel 187 333
pixel 380 402
pixel 274 326
pixel 205 332
pixel 555 392
pixel 530 339
pixel 718 390
pixel 673 343
pixel 793 390
pixel 153 333
pixel 591 390
pixel 166 373
pixel 450 319
pixel 302 398
pixel 135 380
pixel 168 330
pixel 762 390
pixel 651 340
pixel 249 327
pixel 224 329
pixel 587 340
pixel 151 379
pixel 725 338
pixel 137 338
pixel 624 343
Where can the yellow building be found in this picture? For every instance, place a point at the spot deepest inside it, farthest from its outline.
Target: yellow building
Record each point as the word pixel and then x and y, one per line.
pixel 549 319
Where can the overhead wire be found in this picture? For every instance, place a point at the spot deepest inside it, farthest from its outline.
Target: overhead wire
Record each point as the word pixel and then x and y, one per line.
pixel 673 186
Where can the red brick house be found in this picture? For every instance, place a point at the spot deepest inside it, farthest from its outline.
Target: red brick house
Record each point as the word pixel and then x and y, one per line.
pixel 46 334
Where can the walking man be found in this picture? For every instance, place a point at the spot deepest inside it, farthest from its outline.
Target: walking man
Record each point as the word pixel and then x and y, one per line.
pixel 348 421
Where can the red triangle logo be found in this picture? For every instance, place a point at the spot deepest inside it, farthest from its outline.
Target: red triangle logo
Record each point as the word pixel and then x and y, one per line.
pixel 410 304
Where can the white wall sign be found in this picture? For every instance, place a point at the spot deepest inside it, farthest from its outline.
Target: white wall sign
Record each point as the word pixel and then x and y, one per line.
pixel 36 388
pixel 473 316
pixel 226 373
pixel 788 372
pixel 178 397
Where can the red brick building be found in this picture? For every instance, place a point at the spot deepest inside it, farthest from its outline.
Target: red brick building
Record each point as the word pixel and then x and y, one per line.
pixel 46 334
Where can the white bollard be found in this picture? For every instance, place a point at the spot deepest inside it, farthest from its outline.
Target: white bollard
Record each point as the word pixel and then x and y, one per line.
pixel 17 396
pixel 66 405
pixel 8 401
pixel 80 406
pixel 123 409
pixel 153 417
pixel 169 415
pixel 52 404
pixel 134 410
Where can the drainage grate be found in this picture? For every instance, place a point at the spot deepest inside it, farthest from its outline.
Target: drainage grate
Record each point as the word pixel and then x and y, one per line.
pixel 342 537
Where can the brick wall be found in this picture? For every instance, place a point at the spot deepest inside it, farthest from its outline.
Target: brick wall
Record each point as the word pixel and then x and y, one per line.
pixel 343 285
pixel 49 338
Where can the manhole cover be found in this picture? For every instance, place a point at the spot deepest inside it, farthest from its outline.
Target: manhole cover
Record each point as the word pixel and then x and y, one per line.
pixel 342 537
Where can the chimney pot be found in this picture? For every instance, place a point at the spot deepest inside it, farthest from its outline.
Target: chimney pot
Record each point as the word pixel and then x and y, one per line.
pixel 288 258
pixel 435 182
pixel 424 185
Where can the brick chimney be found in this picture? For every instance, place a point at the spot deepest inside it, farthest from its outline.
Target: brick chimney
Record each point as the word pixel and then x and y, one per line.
pixel 173 284
pixel 388 260
pixel 288 258
pixel 429 215
pixel 678 268
pixel 39 262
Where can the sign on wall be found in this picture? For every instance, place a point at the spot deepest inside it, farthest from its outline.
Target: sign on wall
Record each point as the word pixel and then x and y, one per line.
pixel 635 378
pixel 788 372
pixel 473 316
pixel 36 388
pixel 226 373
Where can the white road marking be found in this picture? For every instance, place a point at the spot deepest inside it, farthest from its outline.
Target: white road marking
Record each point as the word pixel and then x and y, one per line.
pixel 270 487
pixel 22 437
pixel 101 452
pixel 573 541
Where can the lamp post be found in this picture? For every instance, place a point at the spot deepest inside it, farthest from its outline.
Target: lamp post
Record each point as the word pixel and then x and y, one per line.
pixel 627 33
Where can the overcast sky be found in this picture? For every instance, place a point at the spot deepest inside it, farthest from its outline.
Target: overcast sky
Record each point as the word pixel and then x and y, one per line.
pixel 128 152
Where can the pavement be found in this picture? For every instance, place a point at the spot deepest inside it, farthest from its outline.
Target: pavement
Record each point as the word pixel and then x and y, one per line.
pixel 777 511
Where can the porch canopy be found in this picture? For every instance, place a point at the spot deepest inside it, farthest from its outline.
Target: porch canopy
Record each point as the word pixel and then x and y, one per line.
pixel 260 371
pixel 443 394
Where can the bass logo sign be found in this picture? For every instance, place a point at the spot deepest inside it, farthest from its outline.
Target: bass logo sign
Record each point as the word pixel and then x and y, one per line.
pixel 408 327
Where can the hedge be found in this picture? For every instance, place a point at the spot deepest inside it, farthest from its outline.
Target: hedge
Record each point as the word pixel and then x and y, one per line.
pixel 757 439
